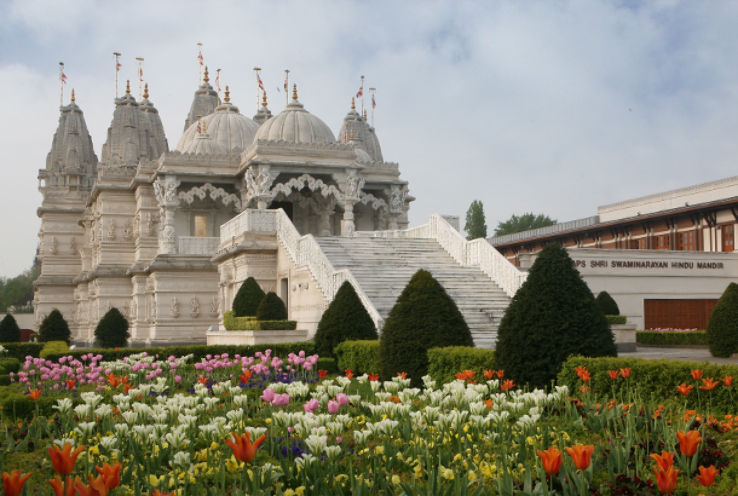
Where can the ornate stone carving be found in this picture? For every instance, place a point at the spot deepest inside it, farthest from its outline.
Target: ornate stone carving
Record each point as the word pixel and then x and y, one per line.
pixel 373 201
pixel 313 184
pixel 174 307
pixel 73 245
pixel 132 310
pixel 208 190
pixel 165 189
pixel 150 223
pixel 258 181
pixel 195 307
pixel 128 231
pixel 53 245
pixel 352 185
pixel 110 233
pixel 214 306
pixel 397 198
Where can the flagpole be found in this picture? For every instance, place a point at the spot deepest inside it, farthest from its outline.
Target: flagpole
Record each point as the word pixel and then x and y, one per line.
pixel 217 81
pixel 117 69
pixel 372 90
pixel 61 84
pixel 286 86
pixel 362 94
pixel 256 72
pixel 140 76
pixel 199 60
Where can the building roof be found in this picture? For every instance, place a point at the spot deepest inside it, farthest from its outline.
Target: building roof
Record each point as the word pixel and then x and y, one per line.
pixel 296 125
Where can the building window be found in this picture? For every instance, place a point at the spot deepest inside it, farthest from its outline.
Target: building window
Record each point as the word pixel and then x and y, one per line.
pixel 728 236
pixel 639 244
pixel 662 242
pixel 687 241
pixel 200 226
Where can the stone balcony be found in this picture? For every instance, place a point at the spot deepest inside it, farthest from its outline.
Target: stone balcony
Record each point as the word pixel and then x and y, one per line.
pixel 192 245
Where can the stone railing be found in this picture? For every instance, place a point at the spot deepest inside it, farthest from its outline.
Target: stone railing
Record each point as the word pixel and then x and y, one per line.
pixel 477 253
pixel 197 245
pixel 302 251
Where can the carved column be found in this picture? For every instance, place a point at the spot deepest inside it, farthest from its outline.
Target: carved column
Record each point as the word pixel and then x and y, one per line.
pixel 396 203
pixel 350 188
pixel 166 194
pixel 258 183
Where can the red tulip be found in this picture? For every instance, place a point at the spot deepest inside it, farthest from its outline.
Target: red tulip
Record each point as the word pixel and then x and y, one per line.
pixel 507 385
pixel 581 455
pixel 246 375
pixel 666 479
pixel 110 474
pixel 684 389
pixel 707 475
pixel 13 482
pixel 696 374
pixel 489 374
pixel 63 459
pixel 243 449
pixel 728 380
pixel 551 459
pixel 664 460
pixel 34 394
pixel 613 374
pixel 709 384
pixel 402 375
pixel 322 373
pixel 689 442
pixel 625 372
pixel 349 373
pixel 373 377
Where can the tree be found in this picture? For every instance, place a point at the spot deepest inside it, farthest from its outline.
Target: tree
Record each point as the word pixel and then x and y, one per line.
pixel 54 328
pixel 553 315
pixel 607 304
pixel 523 223
pixel 248 298
pixel 112 330
pixel 9 330
pixel 344 319
pixel 476 226
pixel 271 308
pixel 722 328
pixel 424 317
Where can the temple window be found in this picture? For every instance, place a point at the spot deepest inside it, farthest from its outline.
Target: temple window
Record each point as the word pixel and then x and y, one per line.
pixel 200 226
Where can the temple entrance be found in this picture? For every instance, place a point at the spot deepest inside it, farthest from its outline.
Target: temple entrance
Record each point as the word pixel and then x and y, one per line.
pixel 284 205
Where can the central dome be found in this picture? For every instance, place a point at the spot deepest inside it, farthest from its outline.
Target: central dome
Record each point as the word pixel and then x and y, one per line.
pixel 226 127
pixel 296 125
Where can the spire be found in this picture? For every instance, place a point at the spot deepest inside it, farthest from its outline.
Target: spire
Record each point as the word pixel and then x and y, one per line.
pixel 72 95
pixel 227 98
pixel 128 86
pixel 206 78
pixel 264 113
pixel 294 91
pixel 263 100
pixel 146 91
pixel 353 103
pixel 205 101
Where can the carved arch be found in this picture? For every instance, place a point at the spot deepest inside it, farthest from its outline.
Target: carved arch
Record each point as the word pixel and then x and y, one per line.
pixel 214 193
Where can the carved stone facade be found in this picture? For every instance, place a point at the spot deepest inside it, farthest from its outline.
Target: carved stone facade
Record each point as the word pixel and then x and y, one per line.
pixel 139 231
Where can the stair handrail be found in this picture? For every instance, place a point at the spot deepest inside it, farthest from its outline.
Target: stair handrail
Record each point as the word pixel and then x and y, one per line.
pixel 306 251
pixel 476 253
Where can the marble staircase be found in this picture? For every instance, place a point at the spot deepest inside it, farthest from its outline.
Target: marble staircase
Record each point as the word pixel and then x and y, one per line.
pixel 383 267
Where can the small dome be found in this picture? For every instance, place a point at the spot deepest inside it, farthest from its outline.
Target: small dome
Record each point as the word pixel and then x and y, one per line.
pixel 226 127
pixel 357 130
pixel 203 144
pixel 296 125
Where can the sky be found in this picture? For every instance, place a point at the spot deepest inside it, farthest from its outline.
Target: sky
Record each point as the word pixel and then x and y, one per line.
pixel 550 106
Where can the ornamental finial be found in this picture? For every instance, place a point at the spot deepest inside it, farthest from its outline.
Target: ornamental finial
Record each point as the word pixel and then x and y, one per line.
pixel 206 78
pixel 72 95
pixel 294 91
pixel 227 94
pixel 264 100
pixel 146 91
pixel 128 86
pixel 353 103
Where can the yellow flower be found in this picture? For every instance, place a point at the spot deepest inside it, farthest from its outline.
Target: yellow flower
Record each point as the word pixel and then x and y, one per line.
pixel 289 492
pixel 268 421
pixel 379 449
pixel 300 491
pixel 231 464
pixel 446 473
pixel 94 450
pixel 396 480
pixel 471 476
pixel 418 469
pixel 457 457
pixel 154 480
pixel 214 446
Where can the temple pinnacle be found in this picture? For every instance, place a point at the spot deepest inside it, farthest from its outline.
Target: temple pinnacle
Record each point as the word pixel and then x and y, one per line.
pixel 294 91
pixel 353 103
pixel 206 78
pixel 227 94
pixel 72 95
pixel 128 87
pixel 264 100
pixel 146 91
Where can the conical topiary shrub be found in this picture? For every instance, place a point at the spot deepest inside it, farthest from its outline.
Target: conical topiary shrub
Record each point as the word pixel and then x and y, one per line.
pixel 54 328
pixel 722 329
pixel 344 319
pixel 9 330
pixel 553 315
pixel 112 330
pixel 248 298
pixel 424 317
pixel 271 308
pixel 607 304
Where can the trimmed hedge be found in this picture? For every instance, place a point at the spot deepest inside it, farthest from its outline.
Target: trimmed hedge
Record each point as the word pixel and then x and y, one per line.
pixel 9 330
pixel 249 323
pixel 616 319
pixel 328 364
pixel 112 330
pixel 9 364
pixel 247 299
pixel 16 405
pixel 444 363
pixel 271 308
pixel 607 304
pixel 654 338
pixel 659 378
pixel 360 356
pixel 345 319
pixel 722 328
pixel 198 351
pixel 22 350
pixel 54 348
pixel 54 328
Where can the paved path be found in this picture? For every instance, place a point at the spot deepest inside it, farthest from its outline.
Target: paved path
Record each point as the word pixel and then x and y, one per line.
pixel 681 354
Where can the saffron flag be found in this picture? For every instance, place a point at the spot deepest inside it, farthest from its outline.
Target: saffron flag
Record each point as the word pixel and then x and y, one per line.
pixel 360 93
pixel 217 81
pixel 261 85
pixel 200 58
pixel 63 77
pixel 117 66
pixel 374 102
pixel 285 84
pixel 140 74
pixel 199 129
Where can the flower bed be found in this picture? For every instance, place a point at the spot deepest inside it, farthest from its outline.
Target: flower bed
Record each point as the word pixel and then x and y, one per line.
pixel 261 424
pixel 672 337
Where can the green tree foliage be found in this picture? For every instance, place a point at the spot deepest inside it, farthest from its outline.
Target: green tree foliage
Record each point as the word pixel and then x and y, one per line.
pixel 722 329
pixel 18 291
pixel 54 328
pixel 607 304
pixel 553 315
pixel 112 330
pixel 344 319
pixel 523 223
pixel 476 226
pixel 271 308
pixel 9 330
pixel 423 317
pixel 248 298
